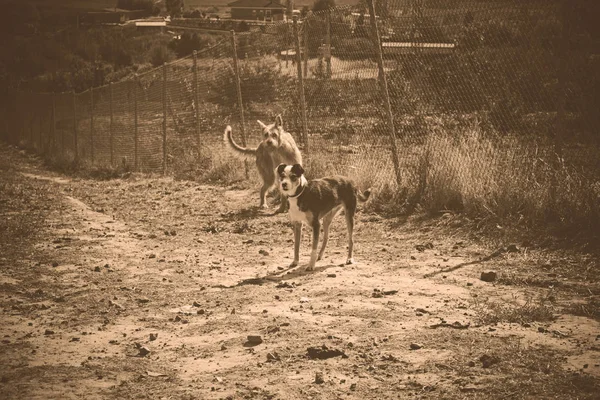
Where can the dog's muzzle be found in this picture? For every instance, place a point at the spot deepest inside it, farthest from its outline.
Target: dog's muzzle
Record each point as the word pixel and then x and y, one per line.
pixel 284 185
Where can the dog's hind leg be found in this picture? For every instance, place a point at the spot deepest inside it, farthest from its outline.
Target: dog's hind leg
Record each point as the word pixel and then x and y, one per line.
pixel 316 228
pixel 267 173
pixel 350 211
pixel 327 219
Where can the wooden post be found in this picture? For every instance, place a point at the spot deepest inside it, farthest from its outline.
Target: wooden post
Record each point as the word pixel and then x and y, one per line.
pixel 53 118
pixel 135 124
pixel 238 86
pixel 41 124
pixel 328 45
pixel 196 101
pixel 75 126
pixel 31 143
pixel 92 123
pixel 385 92
pixel 110 125
pixel 562 72
pixel 301 88
pixel 164 122
pixel 305 40
pixel 62 139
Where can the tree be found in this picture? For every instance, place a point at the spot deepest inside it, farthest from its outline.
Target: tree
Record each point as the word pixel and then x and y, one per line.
pixel 321 5
pixel 174 7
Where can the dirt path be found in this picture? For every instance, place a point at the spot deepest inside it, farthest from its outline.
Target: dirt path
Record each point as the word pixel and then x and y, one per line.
pixel 149 288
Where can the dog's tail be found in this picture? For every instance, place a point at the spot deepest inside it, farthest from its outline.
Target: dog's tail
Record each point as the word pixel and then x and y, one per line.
pixel 237 149
pixel 363 196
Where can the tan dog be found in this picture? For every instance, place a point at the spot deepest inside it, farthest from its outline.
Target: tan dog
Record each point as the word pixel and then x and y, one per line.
pixel 316 200
pixel 277 147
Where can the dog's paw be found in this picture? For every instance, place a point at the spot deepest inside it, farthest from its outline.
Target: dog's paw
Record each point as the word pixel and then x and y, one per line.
pixel 310 267
pixel 350 261
pixel 293 264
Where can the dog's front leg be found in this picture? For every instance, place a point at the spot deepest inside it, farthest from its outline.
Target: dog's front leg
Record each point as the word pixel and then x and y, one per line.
pixel 297 227
pixel 316 228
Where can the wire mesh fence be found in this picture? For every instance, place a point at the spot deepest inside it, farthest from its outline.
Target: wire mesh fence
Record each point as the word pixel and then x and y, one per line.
pixel 466 96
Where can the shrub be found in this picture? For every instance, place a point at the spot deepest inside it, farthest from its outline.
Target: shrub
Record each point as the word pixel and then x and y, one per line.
pixel 160 54
pixel 261 82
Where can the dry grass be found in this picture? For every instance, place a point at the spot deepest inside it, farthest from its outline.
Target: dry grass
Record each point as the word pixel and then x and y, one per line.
pixel 515 311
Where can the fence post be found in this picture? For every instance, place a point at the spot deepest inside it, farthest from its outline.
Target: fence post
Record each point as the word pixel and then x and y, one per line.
pixel 110 125
pixel 164 123
pixel 305 40
pixel 135 124
pixel 92 123
pixel 41 124
pixel 31 142
pixel 385 92
pixel 53 117
pixel 328 44
pixel 75 126
pixel 196 100
pixel 559 123
pixel 301 87
pixel 238 86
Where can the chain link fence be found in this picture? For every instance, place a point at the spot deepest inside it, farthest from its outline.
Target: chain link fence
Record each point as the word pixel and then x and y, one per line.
pixel 490 107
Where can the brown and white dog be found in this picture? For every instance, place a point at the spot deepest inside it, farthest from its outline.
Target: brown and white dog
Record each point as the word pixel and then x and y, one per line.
pixel 316 200
pixel 277 147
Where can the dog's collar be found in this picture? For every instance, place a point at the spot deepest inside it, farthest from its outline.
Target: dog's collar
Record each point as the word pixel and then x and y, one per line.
pixel 298 195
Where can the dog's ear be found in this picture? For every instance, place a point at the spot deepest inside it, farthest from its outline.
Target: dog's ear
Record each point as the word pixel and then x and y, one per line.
pixel 297 170
pixel 280 168
pixel 278 121
pixel 261 124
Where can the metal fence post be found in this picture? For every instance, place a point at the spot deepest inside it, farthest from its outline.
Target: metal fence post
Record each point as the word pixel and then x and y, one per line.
pixel 135 123
pixel 301 88
pixel 328 45
pixel 238 86
pixel 385 93
pixel 92 123
pixel 164 122
pixel 196 100
pixel 53 117
pixel 41 124
pixel 31 142
pixel 305 40
pixel 110 125
pixel 75 126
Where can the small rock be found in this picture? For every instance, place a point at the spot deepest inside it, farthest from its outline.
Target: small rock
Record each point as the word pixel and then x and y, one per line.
pixel 254 340
pixel 488 276
pixel 97 269
pixel 324 352
pixel 223 347
pixel 263 252
pixel 319 378
pixel 153 336
pixel 416 346
pixel 143 351
pixel 353 386
pixel 331 275
pixel 512 248
pixel 272 357
pixel 201 311
pixel 487 361
pixel 54 264
pixel 48 332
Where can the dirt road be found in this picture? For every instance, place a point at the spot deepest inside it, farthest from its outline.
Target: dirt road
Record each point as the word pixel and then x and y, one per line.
pixel 146 287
